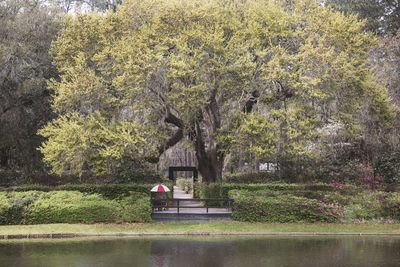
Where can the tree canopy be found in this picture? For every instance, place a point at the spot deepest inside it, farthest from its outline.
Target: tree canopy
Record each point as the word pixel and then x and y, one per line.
pixel 382 16
pixel 26 32
pixel 253 75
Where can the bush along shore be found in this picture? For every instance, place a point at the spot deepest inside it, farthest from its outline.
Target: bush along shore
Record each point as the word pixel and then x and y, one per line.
pixel 280 202
pixel 34 207
pixel 263 202
pixel 76 203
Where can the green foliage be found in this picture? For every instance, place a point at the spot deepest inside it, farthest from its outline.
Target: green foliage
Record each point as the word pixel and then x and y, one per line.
pixel 185 184
pixel 4 207
pixel 19 204
pixel 214 190
pixel 180 183
pixel 74 141
pixel 82 5
pixel 365 206
pixel 34 207
pixel 337 198
pixel 135 208
pixel 72 207
pixel 250 178
pixel 129 78
pixel 388 166
pixel 27 29
pixel 362 206
pixel 284 209
pixel 197 189
pixel 110 191
pixel 391 206
pixel 382 15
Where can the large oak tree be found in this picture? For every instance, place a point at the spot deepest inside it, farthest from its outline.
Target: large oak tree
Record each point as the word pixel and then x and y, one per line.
pixel 250 74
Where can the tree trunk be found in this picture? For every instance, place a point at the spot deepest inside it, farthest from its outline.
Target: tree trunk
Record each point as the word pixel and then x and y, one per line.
pixel 210 166
pixel 209 156
pixel 3 158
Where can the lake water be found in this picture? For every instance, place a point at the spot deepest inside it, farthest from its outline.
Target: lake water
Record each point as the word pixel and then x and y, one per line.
pixel 209 252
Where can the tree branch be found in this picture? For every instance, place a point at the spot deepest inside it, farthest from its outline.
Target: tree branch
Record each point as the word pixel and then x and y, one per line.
pixel 251 102
pixel 174 139
pixel 172 119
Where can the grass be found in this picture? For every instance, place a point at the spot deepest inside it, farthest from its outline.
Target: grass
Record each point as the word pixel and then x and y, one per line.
pixel 200 228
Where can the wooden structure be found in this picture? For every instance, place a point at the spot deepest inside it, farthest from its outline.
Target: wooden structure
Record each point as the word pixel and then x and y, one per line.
pixel 174 169
pixel 208 205
pixel 207 209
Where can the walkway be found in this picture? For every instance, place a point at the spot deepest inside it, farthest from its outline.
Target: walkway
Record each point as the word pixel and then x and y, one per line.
pixel 181 194
pixel 190 210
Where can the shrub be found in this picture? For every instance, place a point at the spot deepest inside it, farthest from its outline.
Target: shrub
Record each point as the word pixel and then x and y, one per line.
pixel 250 178
pixel 135 208
pixel 72 207
pixel 337 198
pixel 369 178
pixel 318 195
pixel 4 208
pixel 388 166
pixel 110 191
pixel 196 189
pixel 391 206
pixel 212 190
pixel 284 209
pixel 19 203
pixel 364 206
pixel 221 191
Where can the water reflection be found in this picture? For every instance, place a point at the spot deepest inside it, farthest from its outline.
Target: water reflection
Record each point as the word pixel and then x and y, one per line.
pixel 209 252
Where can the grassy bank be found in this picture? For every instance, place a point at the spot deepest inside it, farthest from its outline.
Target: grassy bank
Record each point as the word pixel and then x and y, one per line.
pixel 206 228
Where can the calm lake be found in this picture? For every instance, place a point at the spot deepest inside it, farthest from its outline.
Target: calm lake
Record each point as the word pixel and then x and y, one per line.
pixel 209 252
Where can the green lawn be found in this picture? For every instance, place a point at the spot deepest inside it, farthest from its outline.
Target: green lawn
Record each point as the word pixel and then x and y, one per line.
pixel 198 228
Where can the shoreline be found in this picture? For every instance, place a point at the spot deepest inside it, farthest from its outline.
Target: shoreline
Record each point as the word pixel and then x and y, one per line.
pixel 194 234
pixel 182 229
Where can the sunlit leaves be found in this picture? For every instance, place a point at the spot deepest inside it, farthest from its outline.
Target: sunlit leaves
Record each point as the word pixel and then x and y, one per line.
pixel 202 61
pixel 75 141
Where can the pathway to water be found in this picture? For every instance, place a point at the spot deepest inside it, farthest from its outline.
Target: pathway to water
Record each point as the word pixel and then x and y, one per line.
pixel 178 193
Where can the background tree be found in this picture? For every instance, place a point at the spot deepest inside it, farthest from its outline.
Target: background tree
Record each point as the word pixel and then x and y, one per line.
pixel 205 70
pixel 26 31
pixel 383 16
pixel 88 5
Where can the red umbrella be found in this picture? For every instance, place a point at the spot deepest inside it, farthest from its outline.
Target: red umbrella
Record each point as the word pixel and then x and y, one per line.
pixel 160 188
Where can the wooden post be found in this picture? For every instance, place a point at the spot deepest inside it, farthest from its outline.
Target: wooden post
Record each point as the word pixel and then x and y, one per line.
pixel 178 205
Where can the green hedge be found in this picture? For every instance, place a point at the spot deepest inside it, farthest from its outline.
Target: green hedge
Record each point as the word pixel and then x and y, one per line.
pixel 4 209
pixel 250 178
pixel 365 205
pixel 214 190
pixel 111 191
pixel 391 206
pixel 35 207
pixel 71 207
pixel 284 209
pixel 318 195
pixel 134 209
